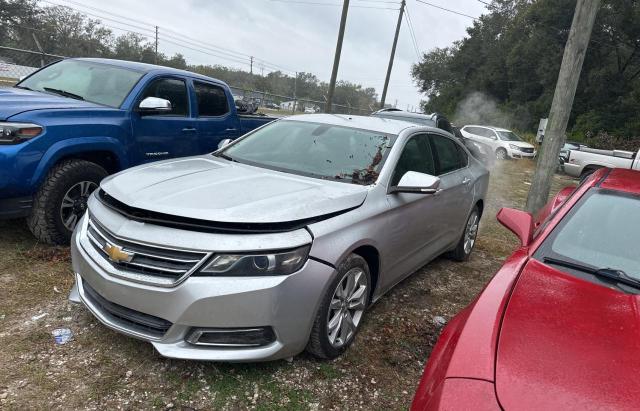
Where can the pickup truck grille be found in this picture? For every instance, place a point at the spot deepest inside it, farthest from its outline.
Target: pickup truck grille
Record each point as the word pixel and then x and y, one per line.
pixel 144 263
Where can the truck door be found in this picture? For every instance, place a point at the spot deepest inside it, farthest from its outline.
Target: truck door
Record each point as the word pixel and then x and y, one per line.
pixel 162 135
pixel 215 118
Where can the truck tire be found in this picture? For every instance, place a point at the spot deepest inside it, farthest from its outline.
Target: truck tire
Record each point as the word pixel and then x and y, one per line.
pixel 61 200
pixel 587 171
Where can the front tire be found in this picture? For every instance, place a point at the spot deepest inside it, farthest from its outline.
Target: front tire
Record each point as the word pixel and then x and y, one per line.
pixel 463 250
pixel 62 200
pixel 501 154
pixel 342 309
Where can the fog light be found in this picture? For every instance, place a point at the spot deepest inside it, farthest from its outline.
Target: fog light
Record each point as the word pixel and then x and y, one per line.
pixel 232 337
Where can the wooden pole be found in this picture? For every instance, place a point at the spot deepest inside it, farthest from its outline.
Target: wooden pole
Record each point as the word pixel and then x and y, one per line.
pixel 336 59
pixel 393 54
pixel 574 52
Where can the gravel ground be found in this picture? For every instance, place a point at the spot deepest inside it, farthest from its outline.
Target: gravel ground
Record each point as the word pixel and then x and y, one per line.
pixel 99 369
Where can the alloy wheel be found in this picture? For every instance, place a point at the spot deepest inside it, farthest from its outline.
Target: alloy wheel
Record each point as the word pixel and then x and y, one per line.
pixel 347 307
pixel 74 203
pixel 501 154
pixel 471 231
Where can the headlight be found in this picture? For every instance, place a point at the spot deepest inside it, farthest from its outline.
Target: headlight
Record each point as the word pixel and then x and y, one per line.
pixel 15 133
pixel 514 147
pixel 256 264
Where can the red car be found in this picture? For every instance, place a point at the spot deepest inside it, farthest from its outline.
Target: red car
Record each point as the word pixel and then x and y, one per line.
pixel 558 327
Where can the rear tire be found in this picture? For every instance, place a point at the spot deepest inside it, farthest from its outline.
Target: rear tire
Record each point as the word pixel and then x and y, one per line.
pixel 587 172
pixel 62 200
pixel 340 305
pixel 463 250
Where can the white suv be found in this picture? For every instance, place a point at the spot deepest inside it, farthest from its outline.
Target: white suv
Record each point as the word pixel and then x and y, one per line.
pixel 505 143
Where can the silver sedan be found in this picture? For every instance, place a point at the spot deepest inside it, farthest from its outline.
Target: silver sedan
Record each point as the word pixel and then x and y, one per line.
pixel 277 242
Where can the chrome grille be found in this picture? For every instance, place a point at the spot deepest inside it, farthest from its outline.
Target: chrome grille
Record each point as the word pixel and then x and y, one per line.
pixel 150 264
pixel 527 150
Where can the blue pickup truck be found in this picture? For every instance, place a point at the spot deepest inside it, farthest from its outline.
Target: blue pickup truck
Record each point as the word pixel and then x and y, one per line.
pixel 70 124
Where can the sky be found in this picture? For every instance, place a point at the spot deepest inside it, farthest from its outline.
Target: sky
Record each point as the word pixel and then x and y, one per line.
pixel 295 35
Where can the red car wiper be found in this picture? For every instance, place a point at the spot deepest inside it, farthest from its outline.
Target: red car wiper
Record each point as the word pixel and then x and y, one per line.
pixel 608 273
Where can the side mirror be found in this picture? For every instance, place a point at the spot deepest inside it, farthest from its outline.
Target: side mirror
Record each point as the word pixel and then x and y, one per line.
pixel 224 143
pixel 414 182
pixel 155 104
pixel 518 222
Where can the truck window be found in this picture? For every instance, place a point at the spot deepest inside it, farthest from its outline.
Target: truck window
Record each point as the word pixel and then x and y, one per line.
pixel 171 89
pixel 212 100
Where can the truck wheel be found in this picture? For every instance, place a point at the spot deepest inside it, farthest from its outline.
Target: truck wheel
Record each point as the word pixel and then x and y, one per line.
pixel 62 200
pixel 501 154
pixel 587 171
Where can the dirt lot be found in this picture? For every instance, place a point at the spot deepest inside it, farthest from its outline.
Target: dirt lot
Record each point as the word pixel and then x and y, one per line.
pixel 102 369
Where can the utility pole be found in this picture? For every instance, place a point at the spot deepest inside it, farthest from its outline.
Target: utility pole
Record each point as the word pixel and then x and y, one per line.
pixel 251 59
pixel 35 39
pixel 295 92
pixel 336 59
pixel 574 52
pixel 393 54
pixel 156 44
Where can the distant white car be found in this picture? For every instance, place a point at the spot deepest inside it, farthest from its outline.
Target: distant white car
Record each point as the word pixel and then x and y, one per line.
pixel 505 143
pixel 309 110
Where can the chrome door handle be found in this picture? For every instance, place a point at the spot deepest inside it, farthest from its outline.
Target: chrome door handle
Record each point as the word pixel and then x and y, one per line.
pixel 230 129
pixel 188 129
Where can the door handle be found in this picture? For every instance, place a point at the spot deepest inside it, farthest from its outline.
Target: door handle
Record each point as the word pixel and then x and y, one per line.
pixel 188 129
pixel 230 129
pixel 466 180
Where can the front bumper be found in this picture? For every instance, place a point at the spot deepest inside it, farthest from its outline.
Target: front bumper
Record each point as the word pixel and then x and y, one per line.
pixel 520 154
pixel 287 304
pixel 15 207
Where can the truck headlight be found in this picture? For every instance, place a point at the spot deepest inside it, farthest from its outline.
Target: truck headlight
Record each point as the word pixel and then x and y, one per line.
pixel 256 264
pixel 514 147
pixel 15 133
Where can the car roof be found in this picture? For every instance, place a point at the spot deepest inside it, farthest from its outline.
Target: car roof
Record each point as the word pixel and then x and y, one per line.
pixel 401 114
pixel 145 67
pixel 489 127
pixel 620 179
pixel 380 124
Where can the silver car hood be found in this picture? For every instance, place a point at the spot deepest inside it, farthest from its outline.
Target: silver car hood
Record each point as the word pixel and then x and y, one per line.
pixel 212 189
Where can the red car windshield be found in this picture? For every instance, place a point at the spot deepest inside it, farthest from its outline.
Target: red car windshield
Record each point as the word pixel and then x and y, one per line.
pixel 602 231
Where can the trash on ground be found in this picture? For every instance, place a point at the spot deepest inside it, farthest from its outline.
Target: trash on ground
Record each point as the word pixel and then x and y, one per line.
pixel 39 316
pixel 438 320
pixel 62 335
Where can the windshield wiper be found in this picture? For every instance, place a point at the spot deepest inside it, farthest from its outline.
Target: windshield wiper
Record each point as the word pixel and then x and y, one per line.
pixel 23 87
pixel 608 273
pixel 63 93
pixel 226 157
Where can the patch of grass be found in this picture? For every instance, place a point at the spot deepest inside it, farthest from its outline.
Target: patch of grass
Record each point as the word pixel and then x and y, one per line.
pixel 327 371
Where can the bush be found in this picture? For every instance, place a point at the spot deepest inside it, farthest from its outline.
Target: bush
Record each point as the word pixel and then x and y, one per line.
pixel 606 141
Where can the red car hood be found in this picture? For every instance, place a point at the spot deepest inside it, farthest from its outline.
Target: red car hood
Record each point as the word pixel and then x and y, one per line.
pixel 567 343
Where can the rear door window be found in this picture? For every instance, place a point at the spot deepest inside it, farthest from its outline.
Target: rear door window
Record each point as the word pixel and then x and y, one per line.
pixel 447 154
pixel 212 100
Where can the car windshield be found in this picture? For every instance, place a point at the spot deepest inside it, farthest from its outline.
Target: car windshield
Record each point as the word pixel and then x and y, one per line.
pixel 603 231
pixel 317 150
pixel 98 83
pixel 508 136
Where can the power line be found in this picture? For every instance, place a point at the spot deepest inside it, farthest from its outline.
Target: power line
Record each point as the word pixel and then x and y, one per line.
pixel 198 43
pixel 445 9
pixel 315 3
pixel 412 32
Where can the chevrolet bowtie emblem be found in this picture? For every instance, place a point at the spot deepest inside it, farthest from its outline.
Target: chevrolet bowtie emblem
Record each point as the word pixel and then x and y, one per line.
pixel 117 254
